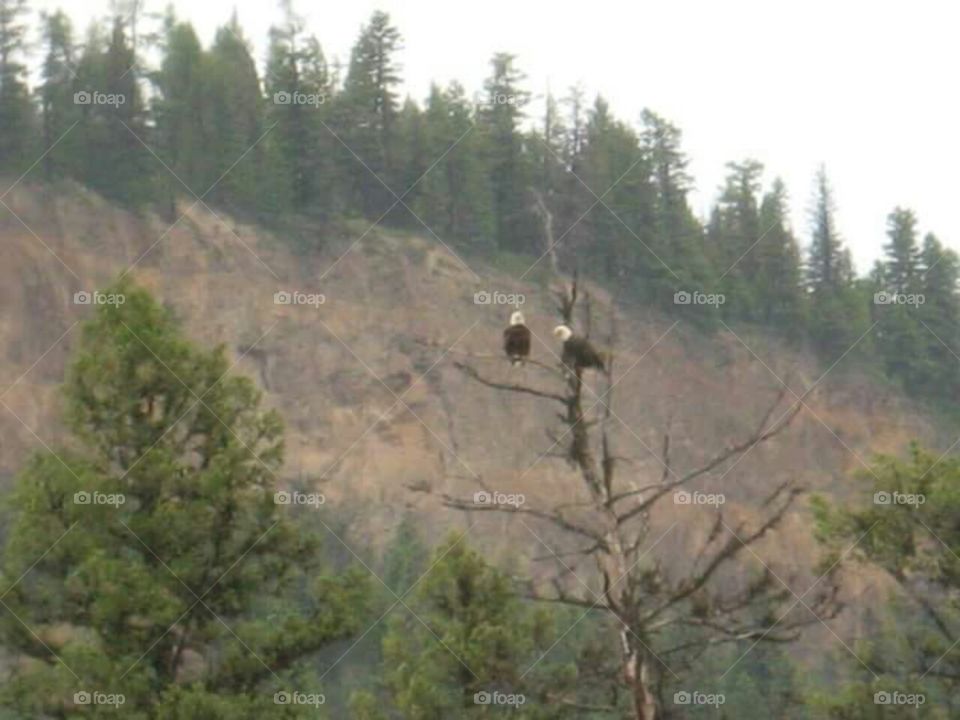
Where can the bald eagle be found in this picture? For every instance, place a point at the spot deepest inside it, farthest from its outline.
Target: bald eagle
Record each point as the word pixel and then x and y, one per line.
pixel 516 339
pixel 578 353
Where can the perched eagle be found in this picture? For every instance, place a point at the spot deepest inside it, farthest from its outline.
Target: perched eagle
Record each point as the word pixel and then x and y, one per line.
pixel 516 339
pixel 578 353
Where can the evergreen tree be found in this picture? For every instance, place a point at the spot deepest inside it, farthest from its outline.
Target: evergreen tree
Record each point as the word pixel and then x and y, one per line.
pixel 111 153
pixel 910 508
pixel 828 268
pixel 735 235
pixel 489 639
pixel 367 116
pixel 237 130
pixel 902 253
pixel 181 110
pixel 678 234
pixel 509 174
pixel 618 233
pixel 838 309
pixel 411 162
pixel 58 111
pixel 454 197
pixel 900 334
pixel 179 582
pixel 16 111
pixel 778 282
pixel 298 90
pixel 939 318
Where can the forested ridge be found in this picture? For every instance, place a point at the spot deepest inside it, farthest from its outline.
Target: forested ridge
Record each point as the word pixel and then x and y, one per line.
pixel 156 564
pixel 301 136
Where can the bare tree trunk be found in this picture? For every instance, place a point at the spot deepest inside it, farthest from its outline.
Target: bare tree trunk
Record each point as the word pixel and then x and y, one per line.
pixel 645 601
pixel 637 675
pixel 546 218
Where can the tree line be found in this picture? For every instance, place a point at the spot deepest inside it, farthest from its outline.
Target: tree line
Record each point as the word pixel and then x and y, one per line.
pixel 572 187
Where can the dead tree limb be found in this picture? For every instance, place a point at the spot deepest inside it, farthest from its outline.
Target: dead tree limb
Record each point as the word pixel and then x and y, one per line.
pixel 633 588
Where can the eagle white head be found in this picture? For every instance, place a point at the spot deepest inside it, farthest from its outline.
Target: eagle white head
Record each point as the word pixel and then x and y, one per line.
pixel 563 332
pixel 516 318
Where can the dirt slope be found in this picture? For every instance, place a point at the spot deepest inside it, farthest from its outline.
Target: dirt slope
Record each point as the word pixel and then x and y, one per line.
pixel 335 370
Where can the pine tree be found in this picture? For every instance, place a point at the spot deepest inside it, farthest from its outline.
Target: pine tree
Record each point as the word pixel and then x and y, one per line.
pixel 180 581
pixel 490 638
pixel 367 116
pixel 58 111
pixel 902 253
pixel 411 161
pixel 237 128
pixel 17 146
pixel 901 336
pixel 838 308
pixel 919 623
pixel 618 234
pixel 940 319
pixel 111 153
pixel 735 237
pixel 181 110
pixel 454 197
pixel 679 235
pixel 299 94
pixel 509 174
pixel 827 268
pixel 778 281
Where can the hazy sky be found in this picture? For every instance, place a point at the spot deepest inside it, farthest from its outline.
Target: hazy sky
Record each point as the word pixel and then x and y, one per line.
pixel 868 89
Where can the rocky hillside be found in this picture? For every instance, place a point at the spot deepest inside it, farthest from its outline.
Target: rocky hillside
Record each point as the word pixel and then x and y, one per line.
pixel 366 380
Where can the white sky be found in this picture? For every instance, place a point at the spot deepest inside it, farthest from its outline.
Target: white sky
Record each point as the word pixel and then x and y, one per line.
pixel 869 89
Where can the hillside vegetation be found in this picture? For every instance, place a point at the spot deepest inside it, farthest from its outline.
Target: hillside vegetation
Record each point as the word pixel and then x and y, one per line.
pixel 262 453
